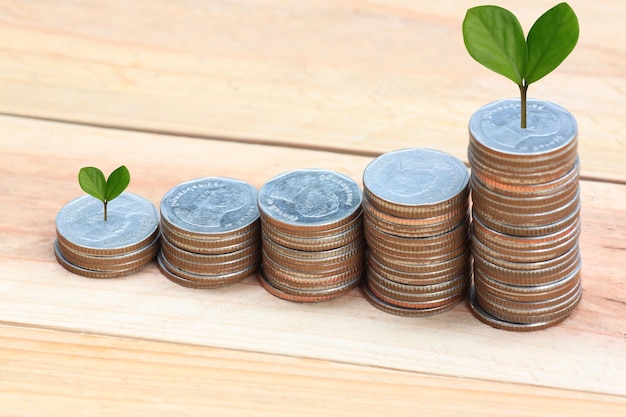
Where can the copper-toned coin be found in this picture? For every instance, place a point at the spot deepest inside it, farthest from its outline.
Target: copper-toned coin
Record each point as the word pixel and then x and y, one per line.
pixel 314 260
pixel 428 274
pixel 312 296
pixel 388 226
pixel 203 280
pixel 174 251
pixel 297 288
pixel 522 293
pixel 540 306
pixel 95 273
pixel 229 243
pixel 446 214
pixel 566 182
pixel 312 244
pixel 459 293
pixel 537 203
pixel 454 281
pixel 531 248
pixel 514 174
pixel 318 265
pixel 554 313
pixel 216 268
pixel 543 273
pixel 508 176
pixel 445 242
pixel 522 161
pixel 524 219
pixel 306 233
pixel 492 321
pixel 515 230
pixel 413 215
pixel 394 257
pixel 110 262
pixel 112 267
pixel 527 254
pixel 311 277
pixel 407 312
pixel 459 284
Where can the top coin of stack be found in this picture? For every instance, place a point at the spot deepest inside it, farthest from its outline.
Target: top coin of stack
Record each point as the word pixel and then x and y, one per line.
pixel 210 230
pixel 416 221
pixel 526 207
pixel 123 244
pixel 312 235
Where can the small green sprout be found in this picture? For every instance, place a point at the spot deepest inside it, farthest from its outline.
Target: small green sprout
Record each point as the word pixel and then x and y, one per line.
pixel 92 182
pixel 494 37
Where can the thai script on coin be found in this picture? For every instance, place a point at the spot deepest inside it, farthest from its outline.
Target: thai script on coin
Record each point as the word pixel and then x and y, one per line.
pixel 210 205
pixel 310 197
pixel 497 126
pixel 131 219
pixel 415 176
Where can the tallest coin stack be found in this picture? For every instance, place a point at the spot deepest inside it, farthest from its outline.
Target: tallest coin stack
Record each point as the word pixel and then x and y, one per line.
pixel 526 205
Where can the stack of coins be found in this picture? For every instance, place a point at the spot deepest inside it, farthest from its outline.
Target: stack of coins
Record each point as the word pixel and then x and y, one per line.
pixel 416 221
pixel 313 247
pixel 526 224
pixel 125 243
pixel 210 232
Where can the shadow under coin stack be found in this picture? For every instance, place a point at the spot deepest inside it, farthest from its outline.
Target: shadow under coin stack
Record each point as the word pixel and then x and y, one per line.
pixel 124 244
pixel 416 221
pixel 526 222
pixel 210 232
pixel 313 247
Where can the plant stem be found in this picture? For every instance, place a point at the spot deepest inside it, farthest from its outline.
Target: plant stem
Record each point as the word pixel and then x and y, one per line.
pixel 105 211
pixel 523 89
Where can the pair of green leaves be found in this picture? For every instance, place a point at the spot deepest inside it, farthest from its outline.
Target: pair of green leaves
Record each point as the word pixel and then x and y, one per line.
pixel 494 37
pixel 92 182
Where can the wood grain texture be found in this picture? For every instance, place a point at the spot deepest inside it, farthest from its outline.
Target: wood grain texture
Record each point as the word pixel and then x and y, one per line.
pixel 40 161
pixel 362 77
pixel 93 375
pixel 178 90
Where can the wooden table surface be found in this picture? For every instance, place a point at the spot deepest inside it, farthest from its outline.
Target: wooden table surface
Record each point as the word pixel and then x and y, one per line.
pixel 249 89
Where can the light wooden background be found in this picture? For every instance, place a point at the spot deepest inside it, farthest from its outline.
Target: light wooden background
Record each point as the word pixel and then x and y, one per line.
pixel 249 89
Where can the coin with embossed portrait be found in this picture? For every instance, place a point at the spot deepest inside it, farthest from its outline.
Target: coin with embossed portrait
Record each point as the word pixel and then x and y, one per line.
pixel 211 232
pixel 412 182
pixel 312 234
pixel 126 242
pixel 211 206
pixel 310 199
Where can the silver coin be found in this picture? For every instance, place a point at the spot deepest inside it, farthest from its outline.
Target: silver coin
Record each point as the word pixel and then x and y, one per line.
pixel 497 127
pixel 131 220
pixel 416 177
pixel 210 205
pixel 310 198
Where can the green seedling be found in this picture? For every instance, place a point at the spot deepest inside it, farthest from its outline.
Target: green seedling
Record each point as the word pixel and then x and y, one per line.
pixel 92 182
pixel 494 37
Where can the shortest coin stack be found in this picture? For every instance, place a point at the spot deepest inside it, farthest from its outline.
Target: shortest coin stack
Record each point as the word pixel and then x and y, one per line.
pixel 313 247
pixel 416 213
pixel 123 244
pixel 210 232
